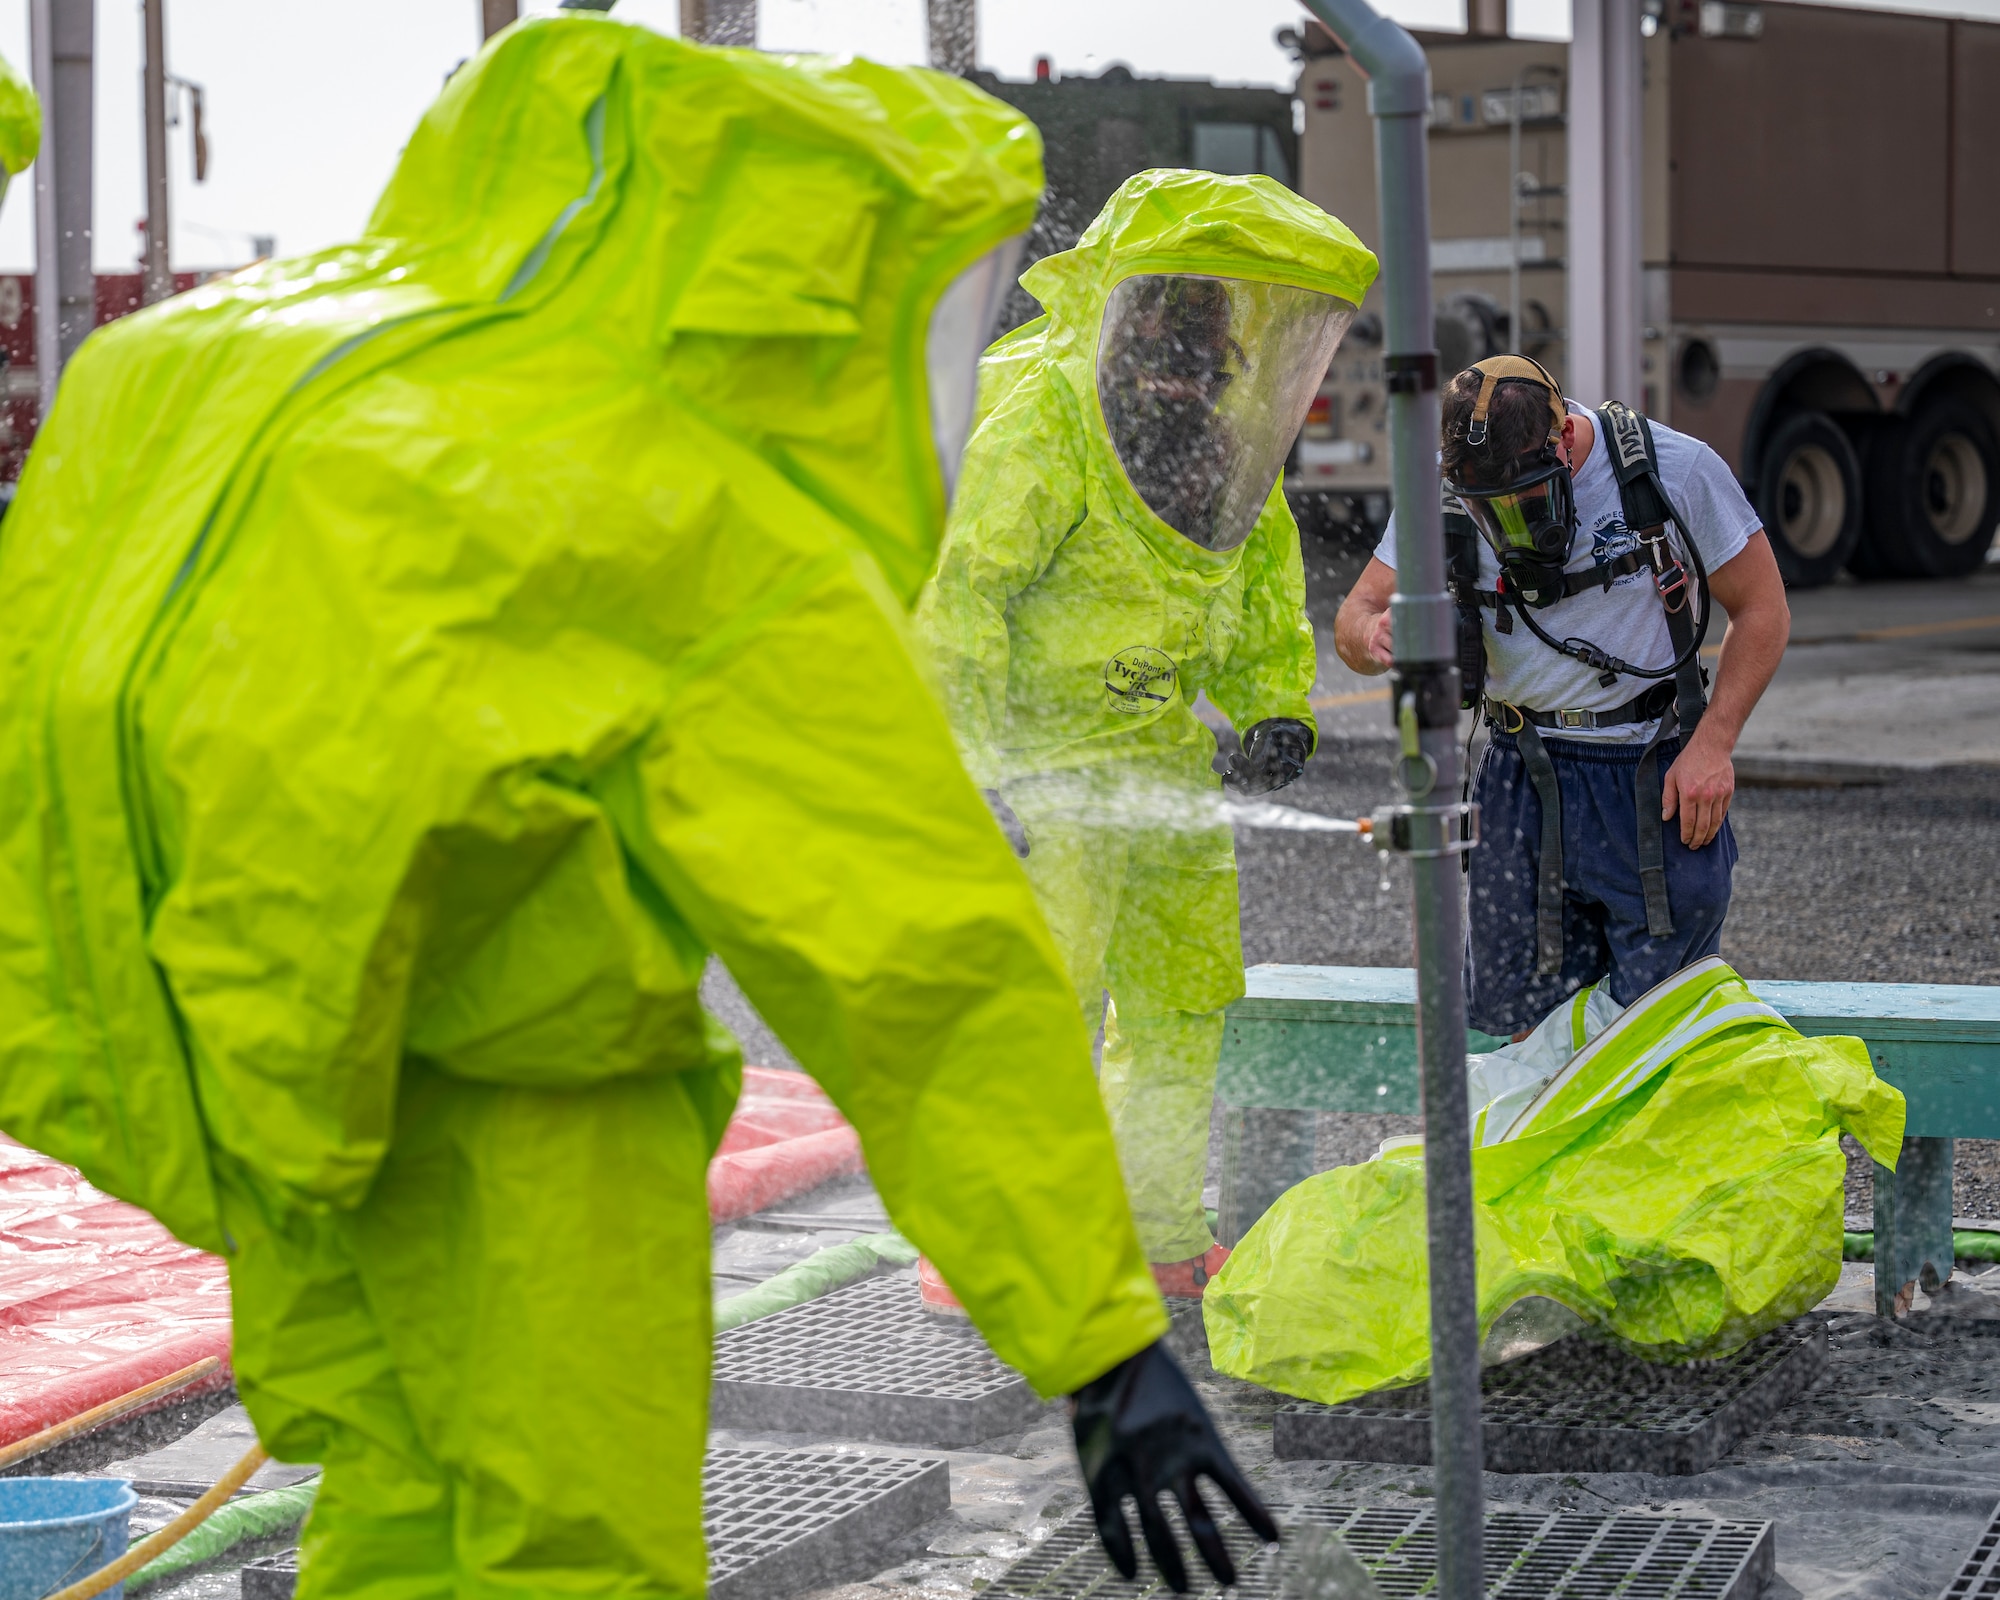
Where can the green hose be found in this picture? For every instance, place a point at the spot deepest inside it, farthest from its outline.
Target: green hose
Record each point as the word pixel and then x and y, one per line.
pixel 1966 1245
pixel 820 1272
pixel 255 1516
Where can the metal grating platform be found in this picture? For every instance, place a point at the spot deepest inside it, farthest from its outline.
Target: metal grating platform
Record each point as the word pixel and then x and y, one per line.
pixel 271 1577
pixel 776 1521
pixel 1979 1578
pixel 1579 1405
pixel 1530 1555
pixel 867 1362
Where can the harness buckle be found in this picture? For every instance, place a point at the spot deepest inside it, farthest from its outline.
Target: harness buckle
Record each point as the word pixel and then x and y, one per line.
pixel 1575 719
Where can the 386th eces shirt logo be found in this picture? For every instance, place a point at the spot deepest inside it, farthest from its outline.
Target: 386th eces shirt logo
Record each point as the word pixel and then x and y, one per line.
pixel 1139 679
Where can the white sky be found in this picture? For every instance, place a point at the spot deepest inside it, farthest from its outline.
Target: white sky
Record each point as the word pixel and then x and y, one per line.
pixel 308 106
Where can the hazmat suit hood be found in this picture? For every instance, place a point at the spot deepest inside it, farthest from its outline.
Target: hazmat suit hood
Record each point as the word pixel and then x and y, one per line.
pixel 723 255
pixel 1174 220
pixel 787 231
pixel 1199 312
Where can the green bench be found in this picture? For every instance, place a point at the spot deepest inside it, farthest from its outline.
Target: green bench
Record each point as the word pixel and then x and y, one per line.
pixel 1308 1039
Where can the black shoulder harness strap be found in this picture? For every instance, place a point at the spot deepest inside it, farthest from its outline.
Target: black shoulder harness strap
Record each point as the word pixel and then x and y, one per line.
pixel 1628 439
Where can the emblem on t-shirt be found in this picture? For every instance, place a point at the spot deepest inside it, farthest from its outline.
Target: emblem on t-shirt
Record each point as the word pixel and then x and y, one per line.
pixel 1139 679
pixel 1611 539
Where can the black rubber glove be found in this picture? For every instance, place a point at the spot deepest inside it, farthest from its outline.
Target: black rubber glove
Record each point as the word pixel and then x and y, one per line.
pixel 1274 753
pixel 1141 1429
pixel 1010 824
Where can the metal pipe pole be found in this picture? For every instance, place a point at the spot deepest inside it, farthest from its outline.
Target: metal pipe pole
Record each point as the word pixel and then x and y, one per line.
pixel 497 14
pixel 48 288
pixel 67 131
pixel 1425 693
pixel 1623 266
pixel 159 269
pixel 1514 340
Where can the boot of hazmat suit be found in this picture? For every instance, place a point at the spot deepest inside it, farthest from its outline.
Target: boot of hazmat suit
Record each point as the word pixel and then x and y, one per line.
pixel 421 657
pixel 1119 544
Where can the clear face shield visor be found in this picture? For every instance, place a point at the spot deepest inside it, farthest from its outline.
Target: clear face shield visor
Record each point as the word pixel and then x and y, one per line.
pixel 1204 384
pixel 961 324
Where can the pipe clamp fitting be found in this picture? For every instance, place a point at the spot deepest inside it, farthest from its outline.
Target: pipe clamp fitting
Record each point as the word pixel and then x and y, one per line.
pixel 1426 832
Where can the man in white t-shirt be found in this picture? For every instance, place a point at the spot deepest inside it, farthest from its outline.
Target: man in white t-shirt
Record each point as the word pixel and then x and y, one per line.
pixel 1591 887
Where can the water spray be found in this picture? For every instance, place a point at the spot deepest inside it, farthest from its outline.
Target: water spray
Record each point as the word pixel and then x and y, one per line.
pixel 1288 819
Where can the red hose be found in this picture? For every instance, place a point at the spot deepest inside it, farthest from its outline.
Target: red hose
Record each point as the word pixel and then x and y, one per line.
pixel 744 1181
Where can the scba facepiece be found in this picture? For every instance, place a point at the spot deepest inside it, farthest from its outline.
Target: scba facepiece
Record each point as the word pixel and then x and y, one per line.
pixel 1527 514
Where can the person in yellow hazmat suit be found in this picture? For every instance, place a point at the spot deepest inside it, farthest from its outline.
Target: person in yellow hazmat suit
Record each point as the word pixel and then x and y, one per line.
pixel 1119 545
pixel 421 657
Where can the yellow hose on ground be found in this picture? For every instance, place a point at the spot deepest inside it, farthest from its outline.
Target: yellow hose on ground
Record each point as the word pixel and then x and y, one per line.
pixel 110 1411
pixel 169 1536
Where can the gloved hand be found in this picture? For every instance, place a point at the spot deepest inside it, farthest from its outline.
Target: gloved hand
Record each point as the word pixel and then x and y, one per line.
pixel 1274 753
pixel 1010 824
pixel 1141 1429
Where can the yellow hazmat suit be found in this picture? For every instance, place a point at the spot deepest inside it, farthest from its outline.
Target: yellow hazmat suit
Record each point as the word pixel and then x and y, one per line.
pixel 20 124
pixel 421 656
pixel 1119 544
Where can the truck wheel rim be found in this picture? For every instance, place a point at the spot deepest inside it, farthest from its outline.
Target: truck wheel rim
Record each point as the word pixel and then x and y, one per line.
pixel 1954 488
pixel 1812 501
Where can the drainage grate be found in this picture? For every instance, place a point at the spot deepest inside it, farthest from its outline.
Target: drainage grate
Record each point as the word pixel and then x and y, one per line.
pixel 271 1577
pixel 776 1521
pixel 1579 1405
pixel 1979 1578
pixel 1530 1555
pixel 867 1362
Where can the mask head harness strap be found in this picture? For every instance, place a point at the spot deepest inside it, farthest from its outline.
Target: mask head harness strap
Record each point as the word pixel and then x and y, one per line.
pixel 1496 370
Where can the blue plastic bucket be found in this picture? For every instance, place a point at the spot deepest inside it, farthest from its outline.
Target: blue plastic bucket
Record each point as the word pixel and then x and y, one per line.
pixel 58 1531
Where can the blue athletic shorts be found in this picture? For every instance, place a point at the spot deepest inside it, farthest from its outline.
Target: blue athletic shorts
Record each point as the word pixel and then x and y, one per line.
pixel 1604 907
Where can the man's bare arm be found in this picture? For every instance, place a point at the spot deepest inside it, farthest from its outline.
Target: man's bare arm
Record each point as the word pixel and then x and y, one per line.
pixel 1361 628
pixel 1702 780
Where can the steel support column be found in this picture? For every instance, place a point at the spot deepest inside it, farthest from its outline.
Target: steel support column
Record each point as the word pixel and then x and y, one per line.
pixel 1425 694
pixel 732 22
pixel 62 41
pixel 1605 300
pixel 497 14
pixel 954 35
pixel 159 244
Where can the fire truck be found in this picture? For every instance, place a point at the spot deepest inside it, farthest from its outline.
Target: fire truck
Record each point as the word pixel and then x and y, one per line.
pixel 119 294
pixel 1821 248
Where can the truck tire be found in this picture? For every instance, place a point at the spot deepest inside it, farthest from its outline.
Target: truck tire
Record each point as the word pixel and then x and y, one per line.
pixel 1933 494
pixel 1809 494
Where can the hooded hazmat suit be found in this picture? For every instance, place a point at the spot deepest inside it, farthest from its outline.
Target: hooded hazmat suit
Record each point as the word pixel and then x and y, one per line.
pixel 420 657
pixel 1675 1179
pixel 1113 551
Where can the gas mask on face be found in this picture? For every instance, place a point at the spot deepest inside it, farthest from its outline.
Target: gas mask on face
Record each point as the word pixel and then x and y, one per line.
pixel 1526 508
pixel 1203 384
pixel 960 325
